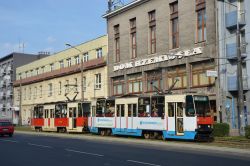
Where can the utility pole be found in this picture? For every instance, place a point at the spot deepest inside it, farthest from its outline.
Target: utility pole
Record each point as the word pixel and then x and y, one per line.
pixel 240 79
pixel 20 101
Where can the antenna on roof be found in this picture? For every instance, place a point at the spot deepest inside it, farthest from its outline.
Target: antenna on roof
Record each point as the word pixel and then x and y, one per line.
pixel 115 4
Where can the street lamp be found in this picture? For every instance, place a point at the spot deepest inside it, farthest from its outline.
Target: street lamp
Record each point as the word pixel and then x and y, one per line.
pixel 82 89
pixel 239 71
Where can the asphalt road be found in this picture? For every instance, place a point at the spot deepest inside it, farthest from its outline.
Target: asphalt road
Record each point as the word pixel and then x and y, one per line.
pixel 28 150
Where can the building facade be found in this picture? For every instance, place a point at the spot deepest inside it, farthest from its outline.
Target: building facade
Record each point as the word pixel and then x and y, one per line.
pixel 229 13
pixel 160 45
pixel 76 74
pixel 8 65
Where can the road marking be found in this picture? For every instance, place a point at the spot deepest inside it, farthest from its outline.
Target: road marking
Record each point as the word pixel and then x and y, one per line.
pixel 93 154
pixel 139 162
pixel 42 146
pixel 6 140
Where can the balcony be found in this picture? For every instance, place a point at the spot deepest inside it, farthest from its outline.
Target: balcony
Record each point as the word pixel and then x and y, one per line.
pixel 9 93
pixel 231 19
pixel 231 51
pixel 9 70
pixel 232 83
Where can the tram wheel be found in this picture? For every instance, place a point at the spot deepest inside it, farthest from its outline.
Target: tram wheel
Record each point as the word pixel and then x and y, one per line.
pixel 103 133
pixel 108 132
pixel 146 135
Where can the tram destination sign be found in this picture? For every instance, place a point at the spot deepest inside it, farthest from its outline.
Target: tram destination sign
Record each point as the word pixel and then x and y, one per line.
pixel 158 59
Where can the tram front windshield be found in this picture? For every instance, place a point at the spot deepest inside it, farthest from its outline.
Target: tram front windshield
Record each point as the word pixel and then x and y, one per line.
pixel 202 105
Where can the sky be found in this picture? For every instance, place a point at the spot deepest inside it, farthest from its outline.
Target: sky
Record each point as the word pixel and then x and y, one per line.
pixel 31 26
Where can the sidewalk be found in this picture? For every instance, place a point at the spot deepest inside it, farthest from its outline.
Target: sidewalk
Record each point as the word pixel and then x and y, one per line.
pixel 164 145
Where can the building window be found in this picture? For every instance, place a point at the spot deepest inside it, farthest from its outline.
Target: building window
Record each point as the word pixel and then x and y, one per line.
pixel 174 24
pixel 77 60
pixel 50 90
pixel 42 69
pixel 25 93
pixel 201 20
pixel 133 37
pixel 177 76
pixel 117 43
pixel 20 76
pixel 99 53
pixel 35 93
pixel 51 66
pixel 199 77
pixel 98 81
pixel 61 64
pixel 67 86
pixel 41 91
pixel 84 84
pixel 26 74
pixel 30 93
pixel 86 57
pixel 135 83
pixel 60 88
pixel 37 71
pixel 118 86
pixel 152 32
pixel 31 73
pixel 76 85
pixel 154 80
pixel 69 62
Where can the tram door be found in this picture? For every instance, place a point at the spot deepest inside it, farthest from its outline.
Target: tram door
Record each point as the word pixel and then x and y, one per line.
pixel 72 117
pixel 120 113
pixel 52 118
pixel 132 112
pixel 175 117
pixel 46 118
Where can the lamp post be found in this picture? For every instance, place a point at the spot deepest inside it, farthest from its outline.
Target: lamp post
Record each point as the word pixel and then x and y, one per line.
pixel 82 89
pixel 239 72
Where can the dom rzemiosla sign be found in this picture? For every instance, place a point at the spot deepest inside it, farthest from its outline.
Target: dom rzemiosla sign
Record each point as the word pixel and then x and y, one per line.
pixel 158 59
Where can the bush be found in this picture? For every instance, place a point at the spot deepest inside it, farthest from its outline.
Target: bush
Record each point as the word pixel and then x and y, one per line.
pixel 247 131
pixel 221 129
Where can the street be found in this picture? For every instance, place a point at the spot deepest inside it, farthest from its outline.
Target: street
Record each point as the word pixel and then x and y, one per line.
pixel 25 149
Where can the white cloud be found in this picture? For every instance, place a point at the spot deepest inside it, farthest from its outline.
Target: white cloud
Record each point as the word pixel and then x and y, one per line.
pixel 51 39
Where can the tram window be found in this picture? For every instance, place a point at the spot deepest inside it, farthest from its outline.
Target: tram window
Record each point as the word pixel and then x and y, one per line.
pixel 143 107
pixel 46 113
pixel 52 113
pixel 120 108
pixel 80 109
pixel 132 110
pixel 179 109
pixel 190 111
pixel 110 108
pixel 117 110
pixel 70 112
pixel 100 108
pixel 40 112
pixel 64 111
pixel 171 109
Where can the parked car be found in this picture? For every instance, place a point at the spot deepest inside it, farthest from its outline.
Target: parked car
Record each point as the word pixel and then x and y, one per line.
pixel 6 128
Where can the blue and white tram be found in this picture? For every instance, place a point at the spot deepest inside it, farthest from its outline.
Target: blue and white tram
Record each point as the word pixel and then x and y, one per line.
pixel 167 116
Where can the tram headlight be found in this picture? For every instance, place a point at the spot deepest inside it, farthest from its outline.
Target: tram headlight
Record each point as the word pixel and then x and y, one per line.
pixel 209 126
pixel 199 126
